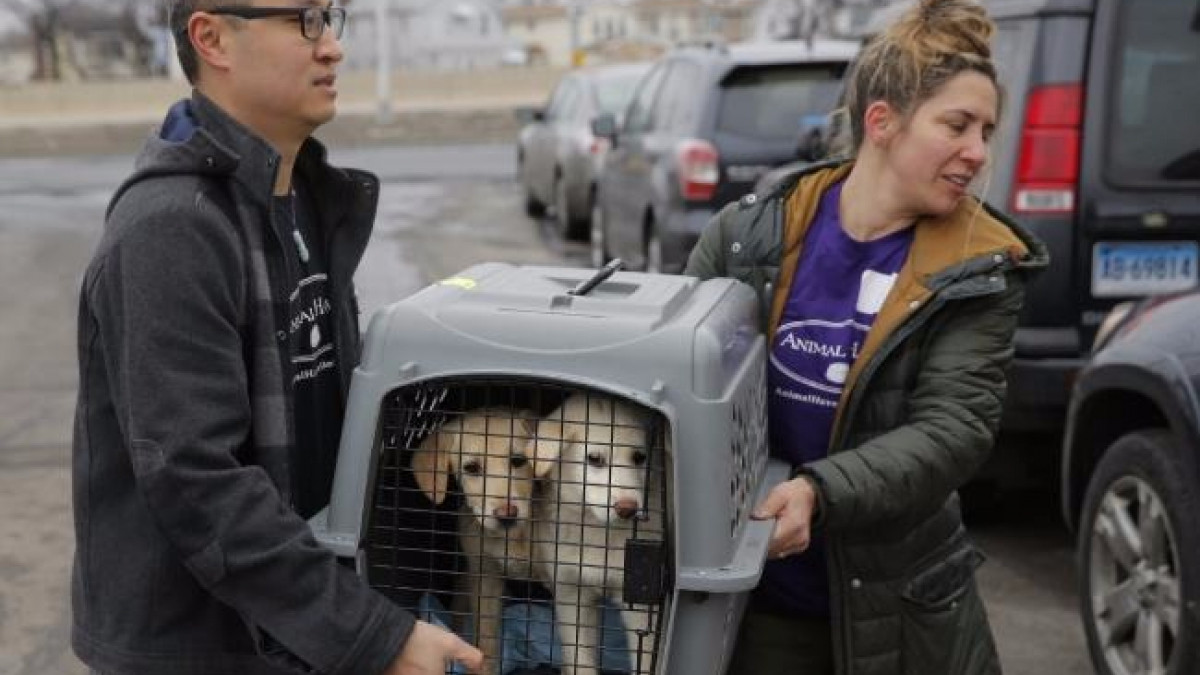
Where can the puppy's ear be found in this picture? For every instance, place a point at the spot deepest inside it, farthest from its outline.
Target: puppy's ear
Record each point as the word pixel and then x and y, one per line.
pixel 526 423
pixel 550 440
pixel 547 445
pixel 431 468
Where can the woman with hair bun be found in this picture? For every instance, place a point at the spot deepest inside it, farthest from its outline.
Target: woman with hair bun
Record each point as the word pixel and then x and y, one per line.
pixel 889 295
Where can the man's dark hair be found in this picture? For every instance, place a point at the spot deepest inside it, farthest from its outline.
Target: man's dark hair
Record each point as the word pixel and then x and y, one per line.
pixel 179 11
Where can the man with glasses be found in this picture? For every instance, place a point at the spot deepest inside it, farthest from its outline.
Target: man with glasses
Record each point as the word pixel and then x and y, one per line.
pixel 217 334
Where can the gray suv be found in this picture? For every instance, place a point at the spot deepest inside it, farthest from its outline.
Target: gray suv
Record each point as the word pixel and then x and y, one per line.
pixel 705 123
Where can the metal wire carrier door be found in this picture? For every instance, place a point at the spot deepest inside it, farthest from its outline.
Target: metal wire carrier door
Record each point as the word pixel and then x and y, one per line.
pixel 528 516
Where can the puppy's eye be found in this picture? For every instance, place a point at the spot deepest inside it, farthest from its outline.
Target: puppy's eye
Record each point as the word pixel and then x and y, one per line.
pixel 597 460
pixel 639 458
pixel 518 461
pixel 472 468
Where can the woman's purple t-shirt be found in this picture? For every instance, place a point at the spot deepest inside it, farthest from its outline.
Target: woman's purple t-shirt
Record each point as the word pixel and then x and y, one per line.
pixel 839 287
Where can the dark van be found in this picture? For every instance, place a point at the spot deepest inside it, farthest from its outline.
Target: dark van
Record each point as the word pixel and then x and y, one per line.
pixel 1098 152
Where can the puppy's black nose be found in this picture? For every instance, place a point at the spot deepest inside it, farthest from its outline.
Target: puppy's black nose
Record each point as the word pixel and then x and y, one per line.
pixel 506 514
pixel 627 509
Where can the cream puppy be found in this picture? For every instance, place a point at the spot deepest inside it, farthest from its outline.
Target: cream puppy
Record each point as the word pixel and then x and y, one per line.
pixel 594 451
pixel 485 451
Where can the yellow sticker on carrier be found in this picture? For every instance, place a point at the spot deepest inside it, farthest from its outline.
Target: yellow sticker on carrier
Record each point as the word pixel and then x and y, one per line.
pixel 461 282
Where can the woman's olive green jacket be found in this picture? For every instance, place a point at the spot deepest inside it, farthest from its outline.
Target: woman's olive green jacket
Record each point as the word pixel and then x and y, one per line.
pixel 917 418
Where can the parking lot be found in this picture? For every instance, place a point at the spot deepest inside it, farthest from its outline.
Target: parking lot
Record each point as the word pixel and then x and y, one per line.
pixel 442 210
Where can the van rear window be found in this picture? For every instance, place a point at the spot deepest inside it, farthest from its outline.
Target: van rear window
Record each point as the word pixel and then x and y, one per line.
pixel 1155 136
pixel 771 102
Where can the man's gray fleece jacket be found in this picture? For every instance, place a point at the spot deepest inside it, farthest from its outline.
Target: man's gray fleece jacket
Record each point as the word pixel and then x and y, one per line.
pixel 189 559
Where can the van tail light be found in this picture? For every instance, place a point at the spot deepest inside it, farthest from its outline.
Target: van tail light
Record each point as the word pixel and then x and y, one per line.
pixel 698 169
pixel 1048 156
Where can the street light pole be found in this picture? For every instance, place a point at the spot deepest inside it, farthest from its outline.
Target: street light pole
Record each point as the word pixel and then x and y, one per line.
pixel 574 14
pixel 383 64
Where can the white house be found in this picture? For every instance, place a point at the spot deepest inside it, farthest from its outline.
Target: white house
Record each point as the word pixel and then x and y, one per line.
pixel 543 32
pixel 617 29
pixel 428 34
pixel 793 19
pixel 598 30
pixel 611 31
pixel 681 21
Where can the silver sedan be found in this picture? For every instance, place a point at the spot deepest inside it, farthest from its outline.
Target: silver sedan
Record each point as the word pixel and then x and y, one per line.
pixel 557 155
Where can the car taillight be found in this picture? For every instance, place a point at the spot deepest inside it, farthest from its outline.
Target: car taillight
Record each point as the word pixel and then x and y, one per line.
pixel 597 146
pixel 698 169
pixel 1048 156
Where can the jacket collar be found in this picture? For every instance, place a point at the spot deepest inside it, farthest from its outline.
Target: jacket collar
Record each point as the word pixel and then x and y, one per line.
pixel 255 164
pixel 251 161
pixel 971 241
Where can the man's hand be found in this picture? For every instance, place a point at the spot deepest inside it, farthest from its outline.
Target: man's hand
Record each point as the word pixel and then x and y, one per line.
pixel 430 648
pixel 791 504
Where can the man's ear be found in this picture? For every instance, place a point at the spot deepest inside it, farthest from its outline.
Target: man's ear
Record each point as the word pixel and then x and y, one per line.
pixel 210 39
pixel 880 122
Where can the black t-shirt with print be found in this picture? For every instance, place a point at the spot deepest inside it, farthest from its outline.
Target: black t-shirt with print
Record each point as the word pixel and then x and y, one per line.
pixel 315 381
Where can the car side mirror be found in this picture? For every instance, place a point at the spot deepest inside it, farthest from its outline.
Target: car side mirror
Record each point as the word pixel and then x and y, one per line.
pixel 811 146
pixel 529 115
pixel 605 126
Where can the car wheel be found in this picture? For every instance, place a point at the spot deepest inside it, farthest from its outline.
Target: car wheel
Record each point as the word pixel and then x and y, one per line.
pixel 1139 559
pixel 534 208
pixel 654 251
pixel 599 238
pixel 569 227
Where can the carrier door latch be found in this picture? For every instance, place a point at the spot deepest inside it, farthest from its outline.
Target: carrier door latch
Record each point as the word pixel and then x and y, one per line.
pixel 644 572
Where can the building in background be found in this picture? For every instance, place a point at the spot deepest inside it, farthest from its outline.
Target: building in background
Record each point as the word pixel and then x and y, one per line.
pixel 541 34
pixel 76 39
pixel 104 42
pixel 428 35
pixel 570 33
pixel 90 39
pixel 800 19
pixel 691 21
pixel 611 32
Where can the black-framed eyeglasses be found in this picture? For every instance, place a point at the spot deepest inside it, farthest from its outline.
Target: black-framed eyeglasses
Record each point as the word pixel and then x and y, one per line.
pixel 313 20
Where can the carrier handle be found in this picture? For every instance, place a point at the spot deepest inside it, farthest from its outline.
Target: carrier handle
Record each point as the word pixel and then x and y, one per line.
pixel 596 279
pixel 743 572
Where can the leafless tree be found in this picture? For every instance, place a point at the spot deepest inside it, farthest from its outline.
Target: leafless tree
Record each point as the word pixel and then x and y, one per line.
pixel 43 20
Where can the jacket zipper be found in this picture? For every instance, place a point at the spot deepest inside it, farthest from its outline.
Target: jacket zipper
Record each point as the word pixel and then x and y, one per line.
pixel 767 301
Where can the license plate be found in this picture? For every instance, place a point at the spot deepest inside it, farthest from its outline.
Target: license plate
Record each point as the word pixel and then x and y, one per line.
pixel 1150 268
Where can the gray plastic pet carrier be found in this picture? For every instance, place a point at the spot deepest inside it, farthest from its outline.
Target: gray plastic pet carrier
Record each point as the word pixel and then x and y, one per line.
pixel 559 465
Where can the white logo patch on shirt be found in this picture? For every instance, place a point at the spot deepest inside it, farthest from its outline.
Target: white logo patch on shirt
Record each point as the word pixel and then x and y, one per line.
pixel 873 291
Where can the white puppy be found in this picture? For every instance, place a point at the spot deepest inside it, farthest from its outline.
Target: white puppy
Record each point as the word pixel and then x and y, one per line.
pixel 594 451
pixel 485 451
